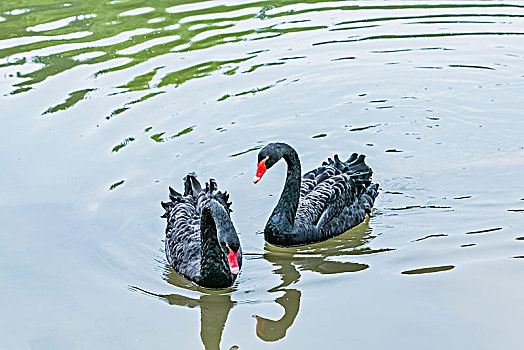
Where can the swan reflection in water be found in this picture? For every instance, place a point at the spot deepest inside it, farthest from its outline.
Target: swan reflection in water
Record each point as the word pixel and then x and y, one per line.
pixel 214 306
pixel 288 262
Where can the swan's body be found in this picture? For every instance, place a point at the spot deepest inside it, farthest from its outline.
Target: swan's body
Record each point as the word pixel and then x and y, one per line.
pixel 201 242
pixel 324 203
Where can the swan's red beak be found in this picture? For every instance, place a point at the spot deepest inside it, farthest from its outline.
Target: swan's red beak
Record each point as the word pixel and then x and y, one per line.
pixel 232 259
pixel 261 169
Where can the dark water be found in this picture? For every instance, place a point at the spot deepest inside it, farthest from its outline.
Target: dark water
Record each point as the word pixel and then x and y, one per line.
pixel 105 104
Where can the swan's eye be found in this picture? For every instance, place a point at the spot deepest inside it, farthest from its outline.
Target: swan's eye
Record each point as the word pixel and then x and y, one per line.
pixel 261 169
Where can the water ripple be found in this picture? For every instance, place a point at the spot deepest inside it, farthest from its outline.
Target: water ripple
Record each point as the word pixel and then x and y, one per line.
pixel 161 47
pixel 199 26
pixel 109 102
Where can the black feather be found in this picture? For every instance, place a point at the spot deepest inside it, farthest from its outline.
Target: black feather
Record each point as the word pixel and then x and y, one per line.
pixel 197 257
pixel 325 202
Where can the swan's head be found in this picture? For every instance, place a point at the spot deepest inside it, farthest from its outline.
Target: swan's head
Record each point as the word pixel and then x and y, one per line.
pixel 226 234
pixel 267 157
pixel 231 247
pixel 232 260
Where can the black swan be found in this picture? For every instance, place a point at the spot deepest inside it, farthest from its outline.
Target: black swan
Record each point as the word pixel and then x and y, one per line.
pixel 201 242
pixel 326 202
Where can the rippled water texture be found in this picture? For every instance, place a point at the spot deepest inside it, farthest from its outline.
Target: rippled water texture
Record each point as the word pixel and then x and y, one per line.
pixel 104 104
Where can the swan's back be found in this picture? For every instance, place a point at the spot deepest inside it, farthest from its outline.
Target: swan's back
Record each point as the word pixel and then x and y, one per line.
pixel 183 214
pixel 337 193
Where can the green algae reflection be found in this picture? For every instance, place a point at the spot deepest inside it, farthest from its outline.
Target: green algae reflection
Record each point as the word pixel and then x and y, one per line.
pixel 425 270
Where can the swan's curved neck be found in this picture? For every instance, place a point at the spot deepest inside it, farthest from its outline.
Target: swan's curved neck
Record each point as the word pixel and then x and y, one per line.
pixel 214 269
pixel 282 220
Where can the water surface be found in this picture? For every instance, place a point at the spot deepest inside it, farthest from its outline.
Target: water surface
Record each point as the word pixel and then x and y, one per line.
pixel 107 103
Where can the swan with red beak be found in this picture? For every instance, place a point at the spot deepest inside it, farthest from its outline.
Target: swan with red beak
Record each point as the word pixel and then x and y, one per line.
pixel 232 260
pixel 320 204
pixel 201 241
pixel 261 169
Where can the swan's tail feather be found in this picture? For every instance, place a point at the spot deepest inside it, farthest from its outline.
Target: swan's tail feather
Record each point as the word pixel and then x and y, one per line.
pixel 336 163
pixel 191 185
pixel 358 169
pixel 175 198
pixel 357 164
pixel 167 207
pixel 224 198
pixel 368 197
pixel 211 186
pixel 352 158
pixel 191 188
pixel 211 192
pixel 174 195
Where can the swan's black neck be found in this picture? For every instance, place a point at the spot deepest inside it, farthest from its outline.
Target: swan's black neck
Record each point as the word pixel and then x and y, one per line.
pixel 214 268
pixel 281 222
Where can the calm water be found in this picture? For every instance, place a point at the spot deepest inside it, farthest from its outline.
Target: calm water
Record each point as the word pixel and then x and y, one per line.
pixel 104 104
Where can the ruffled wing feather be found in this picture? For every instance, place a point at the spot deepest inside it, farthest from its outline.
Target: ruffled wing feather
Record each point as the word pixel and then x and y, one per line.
pixel 183 214
pixel 326 191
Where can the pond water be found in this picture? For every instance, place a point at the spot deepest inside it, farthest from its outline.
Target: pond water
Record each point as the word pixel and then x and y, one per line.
pixel 104 104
